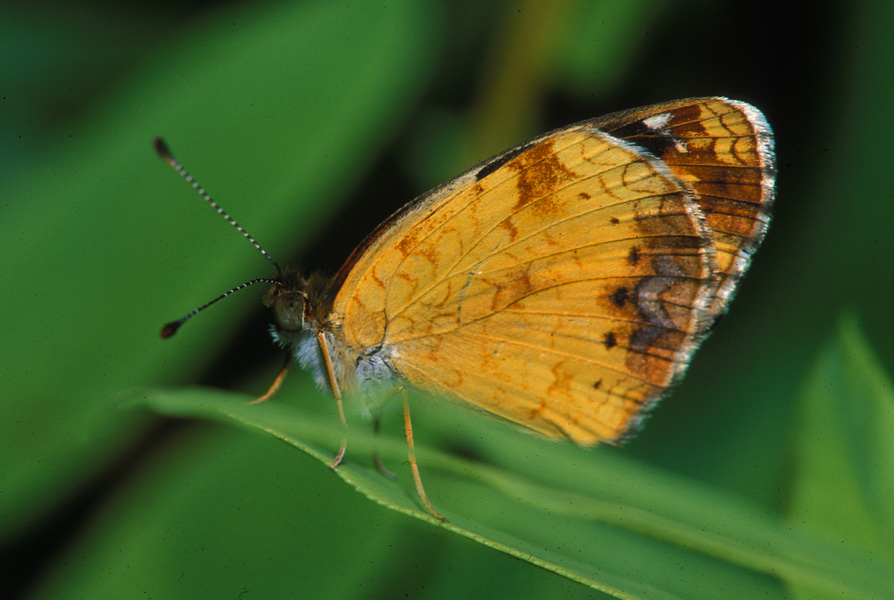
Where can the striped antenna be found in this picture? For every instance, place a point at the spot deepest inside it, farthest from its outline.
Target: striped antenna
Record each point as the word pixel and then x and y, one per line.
pixel 165 153
pixel 171 328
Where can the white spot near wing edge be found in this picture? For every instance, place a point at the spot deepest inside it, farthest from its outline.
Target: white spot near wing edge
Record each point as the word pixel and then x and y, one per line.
pixel 659 124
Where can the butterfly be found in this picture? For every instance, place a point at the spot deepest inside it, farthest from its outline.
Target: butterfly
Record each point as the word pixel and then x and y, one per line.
pixel 562 285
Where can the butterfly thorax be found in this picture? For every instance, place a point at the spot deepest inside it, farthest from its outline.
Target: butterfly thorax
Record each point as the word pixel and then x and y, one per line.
pixel 301 308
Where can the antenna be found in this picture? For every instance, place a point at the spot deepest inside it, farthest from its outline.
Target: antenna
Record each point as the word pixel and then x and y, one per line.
pixel 171 328
pixel 165 153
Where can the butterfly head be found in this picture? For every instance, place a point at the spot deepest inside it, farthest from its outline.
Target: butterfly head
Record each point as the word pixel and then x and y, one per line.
pixel 298 303
pixel 289 310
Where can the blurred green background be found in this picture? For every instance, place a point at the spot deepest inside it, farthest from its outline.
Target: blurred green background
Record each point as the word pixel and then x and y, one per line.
pixel 311 122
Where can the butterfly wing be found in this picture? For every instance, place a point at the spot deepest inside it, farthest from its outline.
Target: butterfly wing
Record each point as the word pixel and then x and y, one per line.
pixel 562 285
pixel 723 149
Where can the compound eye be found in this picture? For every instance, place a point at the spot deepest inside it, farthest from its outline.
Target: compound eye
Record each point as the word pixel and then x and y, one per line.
pixel 289 312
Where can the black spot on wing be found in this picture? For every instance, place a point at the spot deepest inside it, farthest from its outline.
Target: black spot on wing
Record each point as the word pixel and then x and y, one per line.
pixel 620 297
pixel 610 340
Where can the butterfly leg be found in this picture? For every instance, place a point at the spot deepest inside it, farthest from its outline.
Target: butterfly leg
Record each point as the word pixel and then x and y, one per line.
pixel 377 460
pixel 344 440
pixel 336 391
pixel 377 422
pixel 414 467
pixel 277 383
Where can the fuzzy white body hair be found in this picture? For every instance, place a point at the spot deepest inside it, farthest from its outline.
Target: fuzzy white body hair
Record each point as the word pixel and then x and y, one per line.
pixel 366 375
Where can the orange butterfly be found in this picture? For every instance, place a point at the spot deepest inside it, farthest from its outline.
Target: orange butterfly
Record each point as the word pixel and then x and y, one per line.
pixel 562 285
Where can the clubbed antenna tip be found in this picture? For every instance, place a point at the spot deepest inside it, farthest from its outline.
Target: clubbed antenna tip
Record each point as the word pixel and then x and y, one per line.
pixel 170 329
pixel 162 148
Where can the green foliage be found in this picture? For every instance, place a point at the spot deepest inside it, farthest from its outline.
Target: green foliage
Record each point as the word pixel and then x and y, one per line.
pixel 841 483
pixel 549 504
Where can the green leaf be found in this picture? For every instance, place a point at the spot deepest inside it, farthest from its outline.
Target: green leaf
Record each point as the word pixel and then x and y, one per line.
pixel 842 482
pixel 582 514
pixel 215 514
